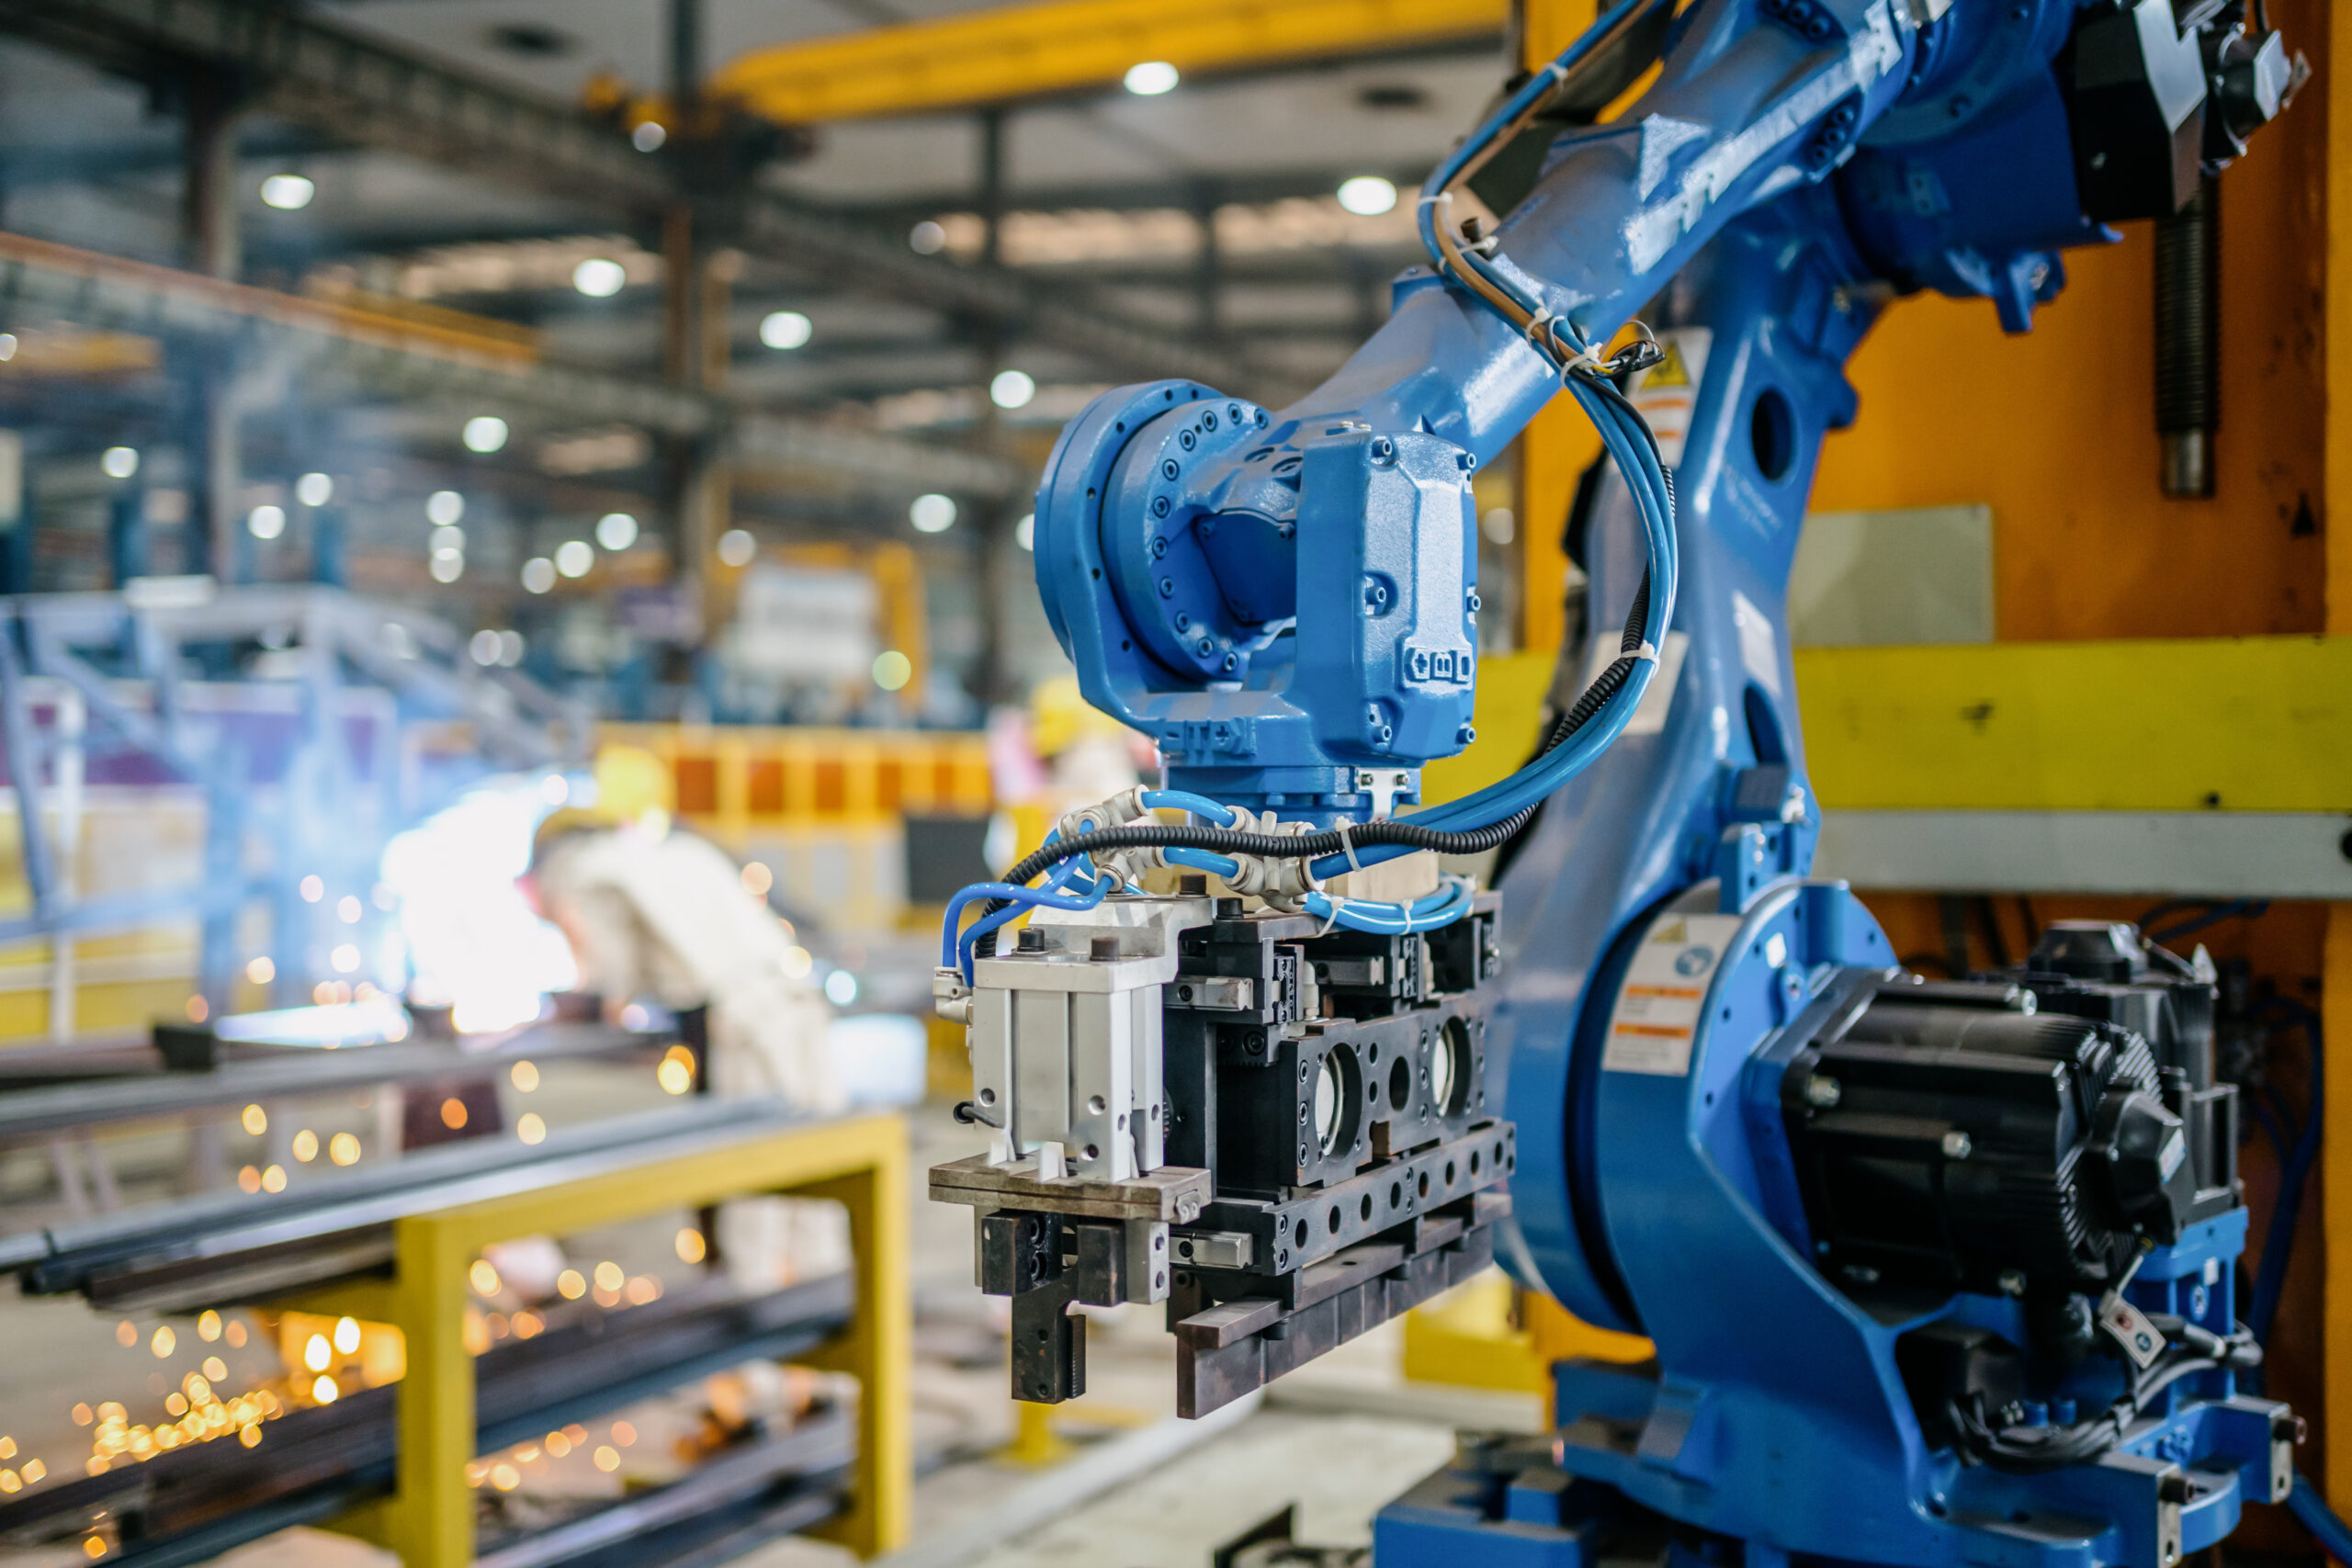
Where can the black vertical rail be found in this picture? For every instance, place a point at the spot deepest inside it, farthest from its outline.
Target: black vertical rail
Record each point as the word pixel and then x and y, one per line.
pixel 2188 342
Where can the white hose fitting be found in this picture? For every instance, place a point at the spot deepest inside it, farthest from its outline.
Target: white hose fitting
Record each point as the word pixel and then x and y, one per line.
pixel 1277 880
pixel 1116 812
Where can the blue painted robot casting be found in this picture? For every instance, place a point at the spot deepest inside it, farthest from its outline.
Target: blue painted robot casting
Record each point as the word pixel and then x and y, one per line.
pixel 1936 1274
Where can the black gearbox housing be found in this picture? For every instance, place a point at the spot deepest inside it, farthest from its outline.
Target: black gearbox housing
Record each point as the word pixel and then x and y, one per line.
pixel 2031 1127
pixel 2162 93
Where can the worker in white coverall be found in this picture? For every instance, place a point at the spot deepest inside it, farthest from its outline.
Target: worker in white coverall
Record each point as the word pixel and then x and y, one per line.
pixel 653 910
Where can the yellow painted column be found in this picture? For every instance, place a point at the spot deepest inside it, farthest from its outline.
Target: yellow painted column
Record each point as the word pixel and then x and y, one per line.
pixel 1559 443
pixel 2335 970
pixel 433 1514
pixel 878 1350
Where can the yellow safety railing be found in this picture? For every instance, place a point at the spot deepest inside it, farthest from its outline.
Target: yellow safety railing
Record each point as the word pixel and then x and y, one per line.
pixel 733 780
pixel 860 1163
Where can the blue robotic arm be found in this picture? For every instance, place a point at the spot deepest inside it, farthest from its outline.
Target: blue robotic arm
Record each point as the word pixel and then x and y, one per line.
pixel 1902 1314
pixel 1286 601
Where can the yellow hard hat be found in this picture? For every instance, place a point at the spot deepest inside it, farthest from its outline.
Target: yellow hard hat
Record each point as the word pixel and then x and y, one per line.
pixel 1061 717
pixel 632 785
pixel 632 780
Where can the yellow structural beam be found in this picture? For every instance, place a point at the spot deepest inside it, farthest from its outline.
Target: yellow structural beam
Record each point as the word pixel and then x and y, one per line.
pixel 2233 724
pixel 862 1162
pixel 1017 51
pixel 2185 724
pixel 2335 970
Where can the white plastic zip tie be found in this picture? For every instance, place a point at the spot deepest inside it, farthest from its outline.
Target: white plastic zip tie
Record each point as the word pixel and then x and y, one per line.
pixel 1347 846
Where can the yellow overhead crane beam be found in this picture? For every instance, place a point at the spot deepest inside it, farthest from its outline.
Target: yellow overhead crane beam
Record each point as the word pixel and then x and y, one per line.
pixel 1017 51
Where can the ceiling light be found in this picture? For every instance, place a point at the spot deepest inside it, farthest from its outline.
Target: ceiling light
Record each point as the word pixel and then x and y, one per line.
pixel 315 489
pixel 266 521
pixel 447 566
pixel 786 329
pixel 118 462
pixel 927 239
pixel 1025 533
pixel 485 433
pixel 484 648
pixel 736 547
pixel 1013 388
pixel 648 136
pixel 448 540
pixel 538 575
pixel 931 513
pixel 287 193
pixel 1368 195
pixel 892 669
pixel 599 277
pixel 574 556
pixel 444 507
pixel 7 347
pixel 616 530
pixel 1151 78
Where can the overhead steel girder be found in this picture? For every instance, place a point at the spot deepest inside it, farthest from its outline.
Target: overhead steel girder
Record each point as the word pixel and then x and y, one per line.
pixel 392 355
pixel 363 90
pixel 1016 51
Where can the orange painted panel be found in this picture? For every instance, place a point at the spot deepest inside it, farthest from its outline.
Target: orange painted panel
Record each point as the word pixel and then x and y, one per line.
pixel 2055 430
pixel 697 785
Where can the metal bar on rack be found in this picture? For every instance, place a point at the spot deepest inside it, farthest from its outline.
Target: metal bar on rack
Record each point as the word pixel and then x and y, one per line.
pixel 26 1114
pixel 321 1460
pixel 218 1225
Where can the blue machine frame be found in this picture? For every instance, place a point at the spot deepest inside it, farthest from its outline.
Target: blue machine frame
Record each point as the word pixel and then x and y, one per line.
pixel 1286 603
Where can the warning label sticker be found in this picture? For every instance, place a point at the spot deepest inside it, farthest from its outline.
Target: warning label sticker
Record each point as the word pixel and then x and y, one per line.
pixel 1667 393
pixel 1656 1017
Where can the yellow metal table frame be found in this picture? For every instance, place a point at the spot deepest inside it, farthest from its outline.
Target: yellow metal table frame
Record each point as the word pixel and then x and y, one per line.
pixel 860 1162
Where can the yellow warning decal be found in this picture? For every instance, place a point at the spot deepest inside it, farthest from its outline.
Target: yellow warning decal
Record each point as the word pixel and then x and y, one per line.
pixel 1672 370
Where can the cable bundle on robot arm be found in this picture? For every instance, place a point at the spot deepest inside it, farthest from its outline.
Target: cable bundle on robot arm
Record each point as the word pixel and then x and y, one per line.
pixel 1490 816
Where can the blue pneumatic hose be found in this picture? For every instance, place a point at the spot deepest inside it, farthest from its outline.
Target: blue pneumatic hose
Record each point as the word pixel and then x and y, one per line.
pixel 2320 1520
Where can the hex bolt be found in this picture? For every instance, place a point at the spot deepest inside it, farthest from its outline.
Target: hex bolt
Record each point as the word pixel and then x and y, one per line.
pixel 1957 1145
pixel 1822 1092
pixel 1104 948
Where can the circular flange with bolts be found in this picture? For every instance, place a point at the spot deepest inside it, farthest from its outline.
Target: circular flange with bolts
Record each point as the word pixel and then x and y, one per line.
pixel 1157 540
